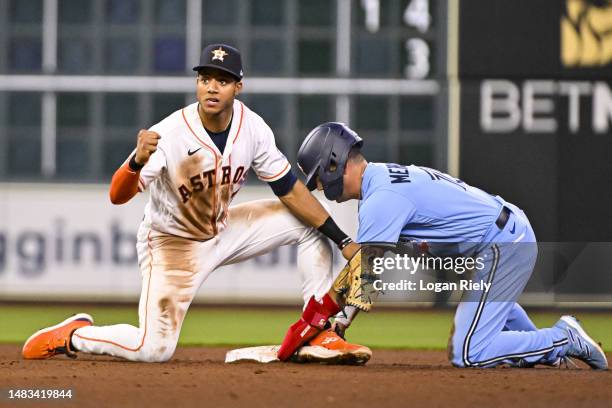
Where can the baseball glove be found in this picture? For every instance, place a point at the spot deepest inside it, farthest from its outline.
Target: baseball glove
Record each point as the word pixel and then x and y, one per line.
pixel 355 283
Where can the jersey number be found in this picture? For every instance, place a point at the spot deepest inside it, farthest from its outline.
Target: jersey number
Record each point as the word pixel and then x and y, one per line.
pixel 438 175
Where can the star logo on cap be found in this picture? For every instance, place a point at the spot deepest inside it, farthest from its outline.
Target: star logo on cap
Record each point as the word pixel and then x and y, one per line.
pixel 219 54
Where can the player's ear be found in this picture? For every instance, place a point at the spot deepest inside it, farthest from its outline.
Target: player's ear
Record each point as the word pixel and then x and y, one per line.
pixel 238 88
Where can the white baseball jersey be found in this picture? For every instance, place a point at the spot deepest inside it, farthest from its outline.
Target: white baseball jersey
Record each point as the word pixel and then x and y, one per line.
pixel 192 183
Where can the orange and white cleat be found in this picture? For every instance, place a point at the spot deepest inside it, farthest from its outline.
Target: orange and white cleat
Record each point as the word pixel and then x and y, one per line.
pixel 54 340
pixel 327 347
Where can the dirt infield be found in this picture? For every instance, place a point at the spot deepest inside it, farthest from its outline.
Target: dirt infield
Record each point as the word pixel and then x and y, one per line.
pixel 197 377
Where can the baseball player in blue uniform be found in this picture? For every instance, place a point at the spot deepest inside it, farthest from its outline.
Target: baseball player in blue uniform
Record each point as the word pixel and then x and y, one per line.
pixel 419 204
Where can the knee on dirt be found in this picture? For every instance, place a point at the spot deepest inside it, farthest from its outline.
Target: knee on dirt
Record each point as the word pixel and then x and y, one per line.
pixel 459 359
pixel 455 357
pixel 159 352
pixel 454 348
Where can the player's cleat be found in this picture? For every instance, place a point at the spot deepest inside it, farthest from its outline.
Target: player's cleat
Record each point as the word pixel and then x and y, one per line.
pixel 581 345
pixel 313 320
pixel 54 340
pixel 328 347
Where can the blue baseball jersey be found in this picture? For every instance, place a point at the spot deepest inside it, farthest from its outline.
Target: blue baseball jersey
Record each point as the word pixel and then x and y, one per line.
pixel 422 204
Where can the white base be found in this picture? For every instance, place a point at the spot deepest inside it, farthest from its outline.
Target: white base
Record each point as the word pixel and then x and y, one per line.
pixel 306 354
pixel 261 354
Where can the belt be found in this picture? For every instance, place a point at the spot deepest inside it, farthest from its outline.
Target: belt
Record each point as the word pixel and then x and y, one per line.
pixel 503 218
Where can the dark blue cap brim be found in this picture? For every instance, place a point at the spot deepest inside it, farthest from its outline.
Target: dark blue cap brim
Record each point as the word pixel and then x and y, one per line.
pixel 199 67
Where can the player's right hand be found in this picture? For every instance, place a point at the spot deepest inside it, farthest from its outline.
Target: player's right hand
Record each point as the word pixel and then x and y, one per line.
pixel 146 145
pixel 350 250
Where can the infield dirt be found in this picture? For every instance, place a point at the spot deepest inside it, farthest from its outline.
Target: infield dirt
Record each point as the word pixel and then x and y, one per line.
pixel 198 377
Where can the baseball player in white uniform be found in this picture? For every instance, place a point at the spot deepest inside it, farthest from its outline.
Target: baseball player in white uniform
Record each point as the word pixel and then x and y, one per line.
pixel 193 163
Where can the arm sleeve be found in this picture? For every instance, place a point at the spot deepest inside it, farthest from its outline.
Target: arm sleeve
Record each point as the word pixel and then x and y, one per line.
pixel 124 184
pixel 269 163
pixel 383 216
pixel 283 185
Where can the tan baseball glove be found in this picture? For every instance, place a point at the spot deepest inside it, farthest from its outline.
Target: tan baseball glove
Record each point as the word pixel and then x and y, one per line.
pixel 354 283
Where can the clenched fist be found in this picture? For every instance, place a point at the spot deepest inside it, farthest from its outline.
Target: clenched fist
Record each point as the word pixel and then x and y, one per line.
pixel 146 145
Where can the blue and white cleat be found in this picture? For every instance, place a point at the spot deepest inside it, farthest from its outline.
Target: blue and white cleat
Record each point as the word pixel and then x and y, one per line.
pixel 581 345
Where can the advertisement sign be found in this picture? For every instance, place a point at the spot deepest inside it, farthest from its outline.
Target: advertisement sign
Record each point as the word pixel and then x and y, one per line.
pixel 536 111
pixel 68 242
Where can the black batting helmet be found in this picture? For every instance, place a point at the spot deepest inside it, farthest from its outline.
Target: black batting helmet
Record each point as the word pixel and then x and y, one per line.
pixel 324 153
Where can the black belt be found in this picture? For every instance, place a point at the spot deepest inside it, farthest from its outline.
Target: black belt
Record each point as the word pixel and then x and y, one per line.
pixel 503 218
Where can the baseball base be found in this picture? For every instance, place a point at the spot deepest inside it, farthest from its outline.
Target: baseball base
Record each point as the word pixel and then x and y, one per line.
pixel 267 354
